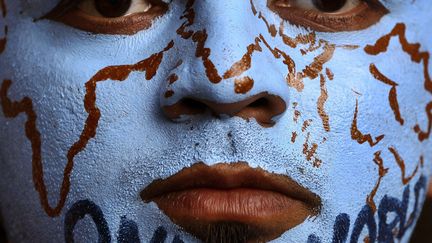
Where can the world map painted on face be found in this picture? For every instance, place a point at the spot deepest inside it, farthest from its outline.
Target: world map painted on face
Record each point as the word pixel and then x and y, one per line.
pixel 235 121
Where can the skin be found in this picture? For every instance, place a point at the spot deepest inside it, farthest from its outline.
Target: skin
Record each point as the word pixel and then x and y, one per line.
pixel 354 131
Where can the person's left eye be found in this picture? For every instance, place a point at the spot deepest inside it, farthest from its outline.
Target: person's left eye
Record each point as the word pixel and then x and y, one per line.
pixel 330 15
pixel 108 16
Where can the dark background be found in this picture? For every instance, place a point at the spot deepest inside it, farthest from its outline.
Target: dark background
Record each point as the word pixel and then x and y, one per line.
pixel 423 230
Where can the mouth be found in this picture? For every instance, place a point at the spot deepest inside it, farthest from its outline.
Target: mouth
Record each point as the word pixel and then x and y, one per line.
pixel 232 200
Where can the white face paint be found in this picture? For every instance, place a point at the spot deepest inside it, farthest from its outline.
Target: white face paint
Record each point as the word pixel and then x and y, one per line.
pixel 356 139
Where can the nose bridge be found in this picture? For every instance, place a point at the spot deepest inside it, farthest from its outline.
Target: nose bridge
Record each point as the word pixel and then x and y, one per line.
pixel 229 28
pixel 215 35
pixel 228 17
pixel 215 72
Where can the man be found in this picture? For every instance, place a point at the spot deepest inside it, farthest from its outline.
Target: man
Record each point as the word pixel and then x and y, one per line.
pixel 215 121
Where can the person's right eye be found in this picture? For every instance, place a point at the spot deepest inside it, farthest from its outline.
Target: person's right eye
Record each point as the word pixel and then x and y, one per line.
pixel 108 16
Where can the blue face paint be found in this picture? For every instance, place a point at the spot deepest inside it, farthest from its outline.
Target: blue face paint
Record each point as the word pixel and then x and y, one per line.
pixel 84 126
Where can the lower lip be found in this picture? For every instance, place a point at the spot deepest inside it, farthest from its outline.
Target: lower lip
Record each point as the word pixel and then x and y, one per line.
pixel 265 211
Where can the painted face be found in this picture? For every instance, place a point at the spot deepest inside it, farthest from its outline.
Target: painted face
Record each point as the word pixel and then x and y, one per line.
pixel 221 121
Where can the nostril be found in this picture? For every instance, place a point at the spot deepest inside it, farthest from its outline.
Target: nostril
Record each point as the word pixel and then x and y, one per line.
pixel 193 105
pixel 262 107
pixel 185 106
pixel 260 103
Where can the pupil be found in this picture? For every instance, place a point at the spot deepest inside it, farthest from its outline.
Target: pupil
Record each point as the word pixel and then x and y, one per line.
pixel 113 8
pixel 329 5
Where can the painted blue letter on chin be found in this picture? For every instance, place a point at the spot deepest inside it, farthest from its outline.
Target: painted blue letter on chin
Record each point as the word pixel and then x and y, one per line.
pixel 379 229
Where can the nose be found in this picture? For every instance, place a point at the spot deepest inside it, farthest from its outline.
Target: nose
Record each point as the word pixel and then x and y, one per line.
pixel 262 107
pixel 226 76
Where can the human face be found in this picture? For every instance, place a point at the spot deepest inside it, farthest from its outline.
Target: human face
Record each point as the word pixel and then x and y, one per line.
pixel 248 120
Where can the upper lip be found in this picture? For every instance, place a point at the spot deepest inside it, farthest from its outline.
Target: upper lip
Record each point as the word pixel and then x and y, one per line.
pixel 230 176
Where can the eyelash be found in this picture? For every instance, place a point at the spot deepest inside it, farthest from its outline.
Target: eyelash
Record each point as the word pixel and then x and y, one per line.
pixel 68 12
pixel 332 7
pixel 360 17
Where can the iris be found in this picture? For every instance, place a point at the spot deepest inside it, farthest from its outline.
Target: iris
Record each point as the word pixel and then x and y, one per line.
pixel 329 5
pixel 113 8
